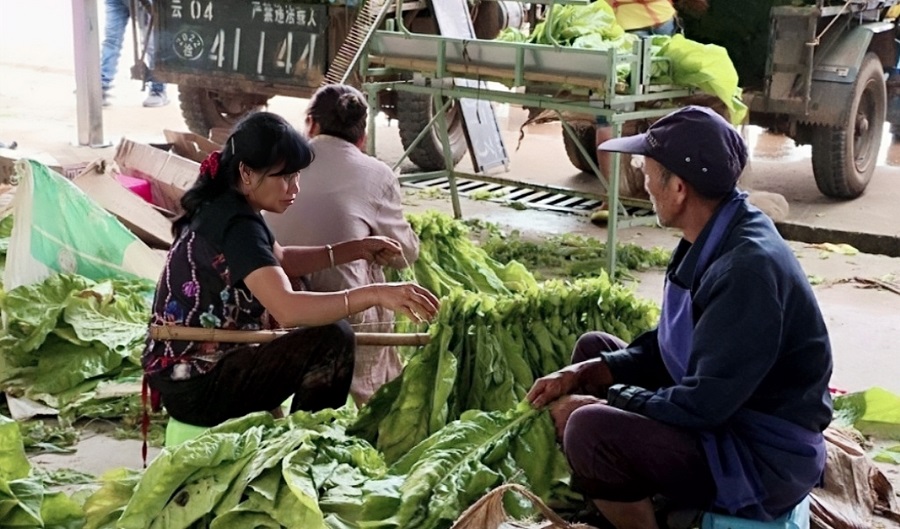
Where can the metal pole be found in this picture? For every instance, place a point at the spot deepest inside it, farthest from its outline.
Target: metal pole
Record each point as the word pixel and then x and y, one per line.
pixel 444 133
pixel 88 102
pixel 613 206
pixel 372 99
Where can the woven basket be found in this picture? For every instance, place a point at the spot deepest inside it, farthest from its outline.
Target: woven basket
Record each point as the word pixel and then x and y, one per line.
pixel 488 513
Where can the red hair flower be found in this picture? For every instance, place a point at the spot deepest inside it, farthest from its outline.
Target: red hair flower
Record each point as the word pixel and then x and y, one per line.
pixel 210 165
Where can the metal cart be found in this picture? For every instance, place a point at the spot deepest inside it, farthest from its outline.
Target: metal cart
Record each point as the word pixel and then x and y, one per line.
pixel 451 69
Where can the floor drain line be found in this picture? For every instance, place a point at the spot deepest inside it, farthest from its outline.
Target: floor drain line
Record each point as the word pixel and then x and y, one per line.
pixel 504 194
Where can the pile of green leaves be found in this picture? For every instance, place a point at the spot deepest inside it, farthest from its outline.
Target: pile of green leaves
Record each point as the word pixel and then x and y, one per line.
pixel 569 255
pixel 674 60
pixel 449 260
pixel 63 336
pixel 45 436
pixel 305 471
pixel 592 27
pixel 67 337
pixel 485 352
pixel 429 444
pixel 875 411
pixel 25 499
pixel 580 27
pixel 493 336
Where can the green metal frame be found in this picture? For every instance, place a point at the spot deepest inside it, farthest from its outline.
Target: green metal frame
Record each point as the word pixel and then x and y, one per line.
pixel 604 100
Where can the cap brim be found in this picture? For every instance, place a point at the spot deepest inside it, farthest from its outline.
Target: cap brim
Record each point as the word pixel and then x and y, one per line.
pixel 636 144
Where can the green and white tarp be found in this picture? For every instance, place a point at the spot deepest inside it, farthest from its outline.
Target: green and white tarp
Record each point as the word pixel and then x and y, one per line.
pixel 58 228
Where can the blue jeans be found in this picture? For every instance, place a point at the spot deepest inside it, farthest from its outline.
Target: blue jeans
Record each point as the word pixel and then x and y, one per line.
pixel 666 28
pixel 118 13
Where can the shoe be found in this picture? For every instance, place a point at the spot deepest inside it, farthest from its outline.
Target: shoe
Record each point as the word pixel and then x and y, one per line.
pixel 600 217
pixel 156 99
pixel 590 516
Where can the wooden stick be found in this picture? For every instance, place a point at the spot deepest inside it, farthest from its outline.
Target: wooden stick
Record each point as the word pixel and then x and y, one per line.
pixel 190 334
pixel 877 283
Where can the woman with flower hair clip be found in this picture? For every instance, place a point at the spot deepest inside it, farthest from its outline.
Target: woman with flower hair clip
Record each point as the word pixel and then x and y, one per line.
pixel 225 271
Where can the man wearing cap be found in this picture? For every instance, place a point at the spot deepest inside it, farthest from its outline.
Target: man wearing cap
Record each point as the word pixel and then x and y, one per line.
pixel 722 406
pixel 644 18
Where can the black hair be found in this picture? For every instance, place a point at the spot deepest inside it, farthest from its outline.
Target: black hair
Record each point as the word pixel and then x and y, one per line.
pixel 339 110
pixel 261 141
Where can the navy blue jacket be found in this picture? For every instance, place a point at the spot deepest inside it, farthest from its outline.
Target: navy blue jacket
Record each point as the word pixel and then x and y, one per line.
pixel 760 342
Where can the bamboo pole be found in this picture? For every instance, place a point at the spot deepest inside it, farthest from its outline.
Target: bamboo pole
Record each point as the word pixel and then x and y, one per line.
pixel 179 333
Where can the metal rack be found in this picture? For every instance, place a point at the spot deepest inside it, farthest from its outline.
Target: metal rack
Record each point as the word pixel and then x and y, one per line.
pixel 437 63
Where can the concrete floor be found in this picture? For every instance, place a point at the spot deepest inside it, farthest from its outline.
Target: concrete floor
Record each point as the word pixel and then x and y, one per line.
pixel 37 109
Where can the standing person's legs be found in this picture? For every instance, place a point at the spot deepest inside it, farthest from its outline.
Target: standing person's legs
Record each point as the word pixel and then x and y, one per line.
pixel 630 179
pixel 157 96
pixel 313 364
pixel 117 15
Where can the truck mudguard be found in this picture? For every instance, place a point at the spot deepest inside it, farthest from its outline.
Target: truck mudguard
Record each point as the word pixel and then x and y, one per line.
pixel 835 73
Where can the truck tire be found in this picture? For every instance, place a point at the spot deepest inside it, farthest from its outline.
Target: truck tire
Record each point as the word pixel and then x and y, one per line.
pixel 844 157
pixel 414 111
pixel 588 137
pixel 204 109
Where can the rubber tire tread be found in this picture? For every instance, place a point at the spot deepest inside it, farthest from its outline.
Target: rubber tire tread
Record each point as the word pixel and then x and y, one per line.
pixel 836 175
pixel 413 114
pixel 199 112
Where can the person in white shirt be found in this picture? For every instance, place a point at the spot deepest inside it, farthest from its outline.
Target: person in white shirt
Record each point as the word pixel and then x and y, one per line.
pixel 346 194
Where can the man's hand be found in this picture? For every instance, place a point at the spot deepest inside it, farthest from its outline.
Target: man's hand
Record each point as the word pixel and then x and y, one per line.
pixel 591 377
pixel 553 386
pixel 562 409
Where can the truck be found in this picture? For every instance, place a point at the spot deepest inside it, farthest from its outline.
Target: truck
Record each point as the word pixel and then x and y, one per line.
pixel 229 57
pixel 822 81
pixel 815 72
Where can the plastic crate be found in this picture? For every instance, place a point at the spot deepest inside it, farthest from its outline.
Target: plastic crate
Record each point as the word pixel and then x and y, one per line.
pixel 798 518
pixel 138 186
pixel 178 432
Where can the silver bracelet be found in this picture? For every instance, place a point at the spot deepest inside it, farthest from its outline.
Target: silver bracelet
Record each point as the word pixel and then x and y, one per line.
pixel 330 254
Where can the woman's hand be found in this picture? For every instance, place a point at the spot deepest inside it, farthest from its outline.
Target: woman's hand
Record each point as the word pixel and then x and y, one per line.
pixel 416 302
pixel 381 250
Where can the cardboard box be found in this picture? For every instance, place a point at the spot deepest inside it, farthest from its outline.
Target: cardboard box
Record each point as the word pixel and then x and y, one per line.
pixel 169 175
pixel 191 146
pixel 99 182
pixel 9 157
pixel 219 135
